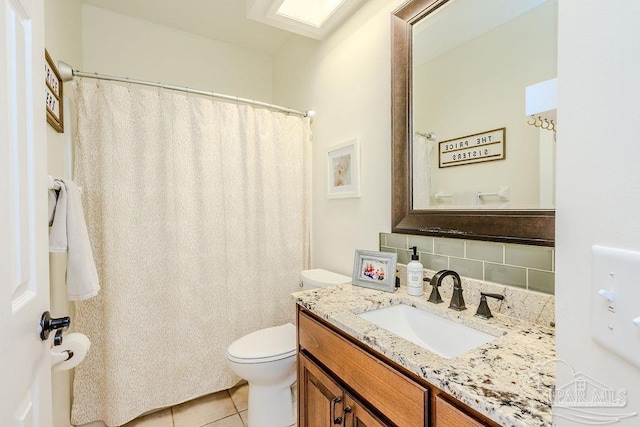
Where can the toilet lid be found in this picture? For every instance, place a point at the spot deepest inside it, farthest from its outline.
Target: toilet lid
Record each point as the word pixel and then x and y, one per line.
pixel 268 343
pixel 322 278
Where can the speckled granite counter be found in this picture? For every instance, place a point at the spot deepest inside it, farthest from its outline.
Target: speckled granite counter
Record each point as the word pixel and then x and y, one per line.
pixel 510 380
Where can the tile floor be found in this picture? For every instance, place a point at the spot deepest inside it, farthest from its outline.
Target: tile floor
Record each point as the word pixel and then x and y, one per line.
pixel 227 408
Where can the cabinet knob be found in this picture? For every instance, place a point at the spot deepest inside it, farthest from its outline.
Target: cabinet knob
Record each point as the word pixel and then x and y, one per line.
pixel 334 402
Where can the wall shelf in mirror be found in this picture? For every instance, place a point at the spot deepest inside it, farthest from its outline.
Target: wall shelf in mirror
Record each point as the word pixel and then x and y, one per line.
pixel 524 223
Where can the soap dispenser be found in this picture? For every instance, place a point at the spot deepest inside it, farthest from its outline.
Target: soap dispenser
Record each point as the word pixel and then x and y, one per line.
pixel 414 274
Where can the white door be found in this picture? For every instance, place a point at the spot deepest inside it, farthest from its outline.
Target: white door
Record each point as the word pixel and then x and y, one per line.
pixel 25 371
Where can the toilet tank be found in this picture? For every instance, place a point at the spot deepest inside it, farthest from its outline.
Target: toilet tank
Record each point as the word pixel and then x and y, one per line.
pixel 319 278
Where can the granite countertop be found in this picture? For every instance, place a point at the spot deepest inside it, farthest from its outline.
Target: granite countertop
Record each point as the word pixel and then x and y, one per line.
pixel 510 380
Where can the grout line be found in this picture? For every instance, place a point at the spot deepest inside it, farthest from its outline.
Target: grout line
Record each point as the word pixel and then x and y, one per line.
pixel 484 273
pixel 230 416
pixel 232 401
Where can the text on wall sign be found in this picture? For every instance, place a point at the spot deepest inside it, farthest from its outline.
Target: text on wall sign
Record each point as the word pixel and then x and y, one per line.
pixel 476 148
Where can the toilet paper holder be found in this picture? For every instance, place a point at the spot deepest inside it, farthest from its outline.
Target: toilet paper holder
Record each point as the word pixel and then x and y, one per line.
pixel 63 356
pixel 71 353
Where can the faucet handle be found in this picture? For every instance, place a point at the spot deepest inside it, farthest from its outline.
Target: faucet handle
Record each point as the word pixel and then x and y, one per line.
pixel 483 309
pixel 435 293
pixel 496 296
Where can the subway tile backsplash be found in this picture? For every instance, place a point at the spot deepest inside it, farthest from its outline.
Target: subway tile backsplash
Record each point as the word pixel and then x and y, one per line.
pixel 529 256
pixel 452 247
pixel 485 251
pixel 520 266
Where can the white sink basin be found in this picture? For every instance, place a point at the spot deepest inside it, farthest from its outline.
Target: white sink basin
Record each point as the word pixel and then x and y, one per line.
pixel 432 332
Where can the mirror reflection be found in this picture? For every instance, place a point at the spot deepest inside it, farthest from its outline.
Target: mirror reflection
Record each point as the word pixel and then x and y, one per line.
pixel 474 147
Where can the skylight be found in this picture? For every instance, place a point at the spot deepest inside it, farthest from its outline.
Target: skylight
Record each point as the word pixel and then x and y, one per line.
pixel 310 18
pixel 311 12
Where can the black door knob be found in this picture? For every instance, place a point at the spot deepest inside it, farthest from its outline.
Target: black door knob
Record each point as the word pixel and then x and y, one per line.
pixel 47 324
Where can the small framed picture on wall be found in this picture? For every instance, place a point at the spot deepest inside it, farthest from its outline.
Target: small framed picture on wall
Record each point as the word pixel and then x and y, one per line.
pixel 343 170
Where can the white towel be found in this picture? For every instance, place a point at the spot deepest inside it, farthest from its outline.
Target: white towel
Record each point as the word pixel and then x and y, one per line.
pixel 69 234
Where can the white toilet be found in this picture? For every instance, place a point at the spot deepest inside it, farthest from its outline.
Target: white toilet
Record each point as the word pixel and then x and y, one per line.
pixel 320 278
pixel 267 360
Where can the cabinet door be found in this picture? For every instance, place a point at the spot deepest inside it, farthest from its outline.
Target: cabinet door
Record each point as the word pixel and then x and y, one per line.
pixel 356 415
pixel 319 397
pixel 448 415
pixel 402 401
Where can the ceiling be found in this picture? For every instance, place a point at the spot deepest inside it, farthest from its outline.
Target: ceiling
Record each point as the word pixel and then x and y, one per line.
pixel 461 21
pixel 223 20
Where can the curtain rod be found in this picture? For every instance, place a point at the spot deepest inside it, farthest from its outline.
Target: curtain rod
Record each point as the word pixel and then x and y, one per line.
pixel 67 73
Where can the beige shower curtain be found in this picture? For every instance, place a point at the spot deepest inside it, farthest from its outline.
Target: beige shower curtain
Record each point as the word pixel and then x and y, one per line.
pixel 198 216
pixel 422 161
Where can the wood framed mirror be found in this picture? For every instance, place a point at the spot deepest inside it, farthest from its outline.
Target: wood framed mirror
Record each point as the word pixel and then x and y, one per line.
pixel 523 226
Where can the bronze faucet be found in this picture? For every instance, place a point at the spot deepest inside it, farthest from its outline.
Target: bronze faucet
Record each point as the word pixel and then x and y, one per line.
pixel 457 301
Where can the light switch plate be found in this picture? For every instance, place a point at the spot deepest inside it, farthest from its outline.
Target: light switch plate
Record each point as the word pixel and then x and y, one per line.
pixel 615 301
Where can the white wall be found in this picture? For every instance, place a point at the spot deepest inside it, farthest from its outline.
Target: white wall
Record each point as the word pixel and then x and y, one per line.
pixel 346 79
pixel 117 45
pixel 598 175
pixel 63 40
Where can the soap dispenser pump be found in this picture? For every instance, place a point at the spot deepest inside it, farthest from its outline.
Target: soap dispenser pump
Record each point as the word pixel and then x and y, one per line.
pixel 414 274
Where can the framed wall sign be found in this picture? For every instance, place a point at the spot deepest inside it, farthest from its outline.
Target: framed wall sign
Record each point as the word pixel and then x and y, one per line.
pixel 343 170
pixel 480 147
pixel 54 94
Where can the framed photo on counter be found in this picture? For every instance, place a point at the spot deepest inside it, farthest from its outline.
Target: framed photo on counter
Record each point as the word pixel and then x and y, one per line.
pixel 376 270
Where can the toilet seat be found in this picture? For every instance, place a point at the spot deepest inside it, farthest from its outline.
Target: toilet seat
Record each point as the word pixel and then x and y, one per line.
pixel 265 345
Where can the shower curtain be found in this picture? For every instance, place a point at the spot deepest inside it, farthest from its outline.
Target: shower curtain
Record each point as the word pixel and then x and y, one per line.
pixel 422 159
pixel 198 216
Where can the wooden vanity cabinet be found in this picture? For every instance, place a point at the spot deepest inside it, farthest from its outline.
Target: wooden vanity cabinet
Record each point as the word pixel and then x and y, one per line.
pixel 386 391
pixel 325 403
pixel 447 415
pixel 342 383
